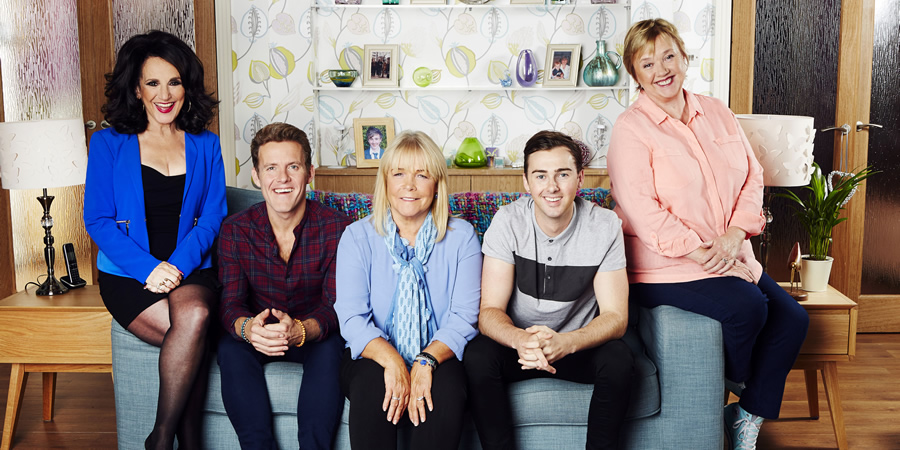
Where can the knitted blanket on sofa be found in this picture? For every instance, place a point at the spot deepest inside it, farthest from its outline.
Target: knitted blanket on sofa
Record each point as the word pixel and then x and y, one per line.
pixel 475 207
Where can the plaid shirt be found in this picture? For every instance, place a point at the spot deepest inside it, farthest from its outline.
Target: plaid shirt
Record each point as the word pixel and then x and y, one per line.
pixel 254 276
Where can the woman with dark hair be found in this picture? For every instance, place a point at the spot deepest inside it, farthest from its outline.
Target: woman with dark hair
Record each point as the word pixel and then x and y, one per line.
pixel 154 200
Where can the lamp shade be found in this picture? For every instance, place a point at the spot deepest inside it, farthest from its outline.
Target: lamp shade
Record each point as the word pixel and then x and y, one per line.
pixel 42 154
pixel 783 146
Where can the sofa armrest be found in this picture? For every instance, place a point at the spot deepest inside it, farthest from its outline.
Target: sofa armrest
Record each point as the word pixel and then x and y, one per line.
pixel 688 352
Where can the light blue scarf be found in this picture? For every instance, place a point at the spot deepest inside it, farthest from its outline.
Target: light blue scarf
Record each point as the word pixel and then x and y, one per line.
pixel 410 323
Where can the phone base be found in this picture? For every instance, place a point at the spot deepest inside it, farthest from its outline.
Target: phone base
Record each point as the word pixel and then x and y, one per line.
pixel 79 282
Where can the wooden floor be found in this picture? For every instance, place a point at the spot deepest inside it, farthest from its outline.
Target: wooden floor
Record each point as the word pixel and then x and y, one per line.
pixel 870 388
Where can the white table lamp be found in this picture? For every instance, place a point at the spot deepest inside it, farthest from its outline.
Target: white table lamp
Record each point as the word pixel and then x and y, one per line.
pixel 43 154
pixel 784 147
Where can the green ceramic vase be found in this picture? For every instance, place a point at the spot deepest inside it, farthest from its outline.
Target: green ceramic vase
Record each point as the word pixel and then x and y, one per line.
pixel 601 71
pixel 470 154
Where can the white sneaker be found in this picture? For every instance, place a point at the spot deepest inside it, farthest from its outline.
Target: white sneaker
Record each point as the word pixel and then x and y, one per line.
pixel 741 428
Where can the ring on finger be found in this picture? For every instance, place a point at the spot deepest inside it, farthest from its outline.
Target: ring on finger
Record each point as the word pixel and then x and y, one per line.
pixel 395 398
pixel 420 399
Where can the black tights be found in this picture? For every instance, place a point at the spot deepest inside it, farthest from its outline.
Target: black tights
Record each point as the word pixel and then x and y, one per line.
pixel 178 325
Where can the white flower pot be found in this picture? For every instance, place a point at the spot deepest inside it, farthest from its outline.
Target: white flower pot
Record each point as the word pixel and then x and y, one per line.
pixel 814 274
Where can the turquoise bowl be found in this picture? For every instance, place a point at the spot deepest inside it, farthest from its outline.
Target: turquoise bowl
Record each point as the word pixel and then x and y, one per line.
pixel 342 78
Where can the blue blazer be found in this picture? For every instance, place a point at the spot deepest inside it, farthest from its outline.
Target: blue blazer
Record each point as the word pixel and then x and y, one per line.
pixel 114 212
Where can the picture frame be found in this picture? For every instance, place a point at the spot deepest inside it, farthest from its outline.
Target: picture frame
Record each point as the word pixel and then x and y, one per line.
pixel 561 68
pixel 381 65
pixel 377 126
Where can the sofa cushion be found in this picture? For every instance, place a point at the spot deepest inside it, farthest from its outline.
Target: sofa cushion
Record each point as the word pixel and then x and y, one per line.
pixel 239 199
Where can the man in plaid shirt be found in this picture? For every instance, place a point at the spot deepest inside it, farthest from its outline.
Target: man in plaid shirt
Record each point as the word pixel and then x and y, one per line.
pixel 276 264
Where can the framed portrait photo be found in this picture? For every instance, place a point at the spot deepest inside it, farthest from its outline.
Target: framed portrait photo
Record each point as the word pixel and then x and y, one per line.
pixel 372 137
pixel 561 68
pixel 380 67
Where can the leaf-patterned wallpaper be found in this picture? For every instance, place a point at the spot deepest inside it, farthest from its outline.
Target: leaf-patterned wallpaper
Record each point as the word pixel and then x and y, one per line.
pixel 282 50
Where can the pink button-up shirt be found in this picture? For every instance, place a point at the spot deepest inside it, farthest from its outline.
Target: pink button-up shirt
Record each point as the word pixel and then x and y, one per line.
pixel 677 186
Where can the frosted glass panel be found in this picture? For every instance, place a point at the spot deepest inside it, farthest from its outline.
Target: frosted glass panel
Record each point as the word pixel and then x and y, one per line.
pixel 42 80
pixel 881 258
pixel 140 16
pixel 794 39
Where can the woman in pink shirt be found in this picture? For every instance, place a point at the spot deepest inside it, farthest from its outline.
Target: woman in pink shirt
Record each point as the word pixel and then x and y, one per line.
pixel 688 189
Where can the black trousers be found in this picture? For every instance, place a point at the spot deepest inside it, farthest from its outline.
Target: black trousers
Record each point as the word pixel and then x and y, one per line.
pixel 363 383
pixel 491 366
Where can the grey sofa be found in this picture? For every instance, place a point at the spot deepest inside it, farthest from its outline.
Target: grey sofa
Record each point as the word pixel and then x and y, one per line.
pixel 676 403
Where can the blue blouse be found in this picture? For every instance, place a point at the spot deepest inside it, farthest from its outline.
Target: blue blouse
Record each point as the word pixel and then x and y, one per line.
pixel 366 281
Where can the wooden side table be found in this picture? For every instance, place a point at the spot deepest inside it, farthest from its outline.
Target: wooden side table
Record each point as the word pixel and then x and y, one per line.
pixel 65 333
pixel 831 338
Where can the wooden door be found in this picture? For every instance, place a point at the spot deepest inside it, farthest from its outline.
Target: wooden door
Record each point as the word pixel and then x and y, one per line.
pixel 849 89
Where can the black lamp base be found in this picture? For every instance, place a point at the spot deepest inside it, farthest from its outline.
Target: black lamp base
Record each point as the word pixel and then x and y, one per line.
pixel 51 286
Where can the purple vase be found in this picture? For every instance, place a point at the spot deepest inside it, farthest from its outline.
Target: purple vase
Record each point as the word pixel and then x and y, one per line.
pixel 526 70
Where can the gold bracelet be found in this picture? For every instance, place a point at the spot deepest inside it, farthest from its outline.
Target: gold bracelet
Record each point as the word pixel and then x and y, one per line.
pixel 303 330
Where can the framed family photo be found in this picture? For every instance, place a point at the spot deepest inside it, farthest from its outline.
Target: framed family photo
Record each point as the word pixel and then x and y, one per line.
pixel 380 66
pixel 372 136
pixel 561 68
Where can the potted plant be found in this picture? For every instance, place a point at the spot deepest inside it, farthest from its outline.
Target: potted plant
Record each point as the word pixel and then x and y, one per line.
pixel 819 214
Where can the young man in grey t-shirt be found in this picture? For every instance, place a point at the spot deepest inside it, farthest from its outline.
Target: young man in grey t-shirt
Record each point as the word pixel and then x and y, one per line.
pixel 554 298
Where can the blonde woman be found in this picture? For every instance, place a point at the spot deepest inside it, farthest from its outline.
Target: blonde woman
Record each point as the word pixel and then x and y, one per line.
pixel 408 291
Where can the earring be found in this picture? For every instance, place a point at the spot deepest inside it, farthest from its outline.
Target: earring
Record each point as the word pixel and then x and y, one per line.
pixel 189 106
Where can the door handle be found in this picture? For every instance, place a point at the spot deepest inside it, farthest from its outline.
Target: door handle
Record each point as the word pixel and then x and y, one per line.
pixel 860 125
pixel 104 124
pixel 845 129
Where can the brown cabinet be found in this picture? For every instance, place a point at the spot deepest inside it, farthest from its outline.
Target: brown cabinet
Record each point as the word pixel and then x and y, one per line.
pixel 353 179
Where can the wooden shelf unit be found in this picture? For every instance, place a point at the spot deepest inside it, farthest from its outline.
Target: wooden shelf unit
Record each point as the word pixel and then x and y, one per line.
pixel 505 179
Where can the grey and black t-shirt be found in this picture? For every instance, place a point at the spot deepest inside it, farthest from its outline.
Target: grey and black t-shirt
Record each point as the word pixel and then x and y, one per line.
pixel 554 275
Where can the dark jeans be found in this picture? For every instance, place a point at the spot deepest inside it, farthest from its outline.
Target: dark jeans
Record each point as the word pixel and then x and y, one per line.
pixel 363 382
pixel 763 328
pixel 491 366
pixel 246 397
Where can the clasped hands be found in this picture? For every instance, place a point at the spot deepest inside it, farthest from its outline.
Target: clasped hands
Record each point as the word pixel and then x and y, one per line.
pixel 719 256
pixel 163 278
pixel 542 347
pixel 407 391
pixel 272 339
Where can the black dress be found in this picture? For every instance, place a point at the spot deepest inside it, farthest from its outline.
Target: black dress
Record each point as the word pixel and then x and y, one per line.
pixel 125 297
